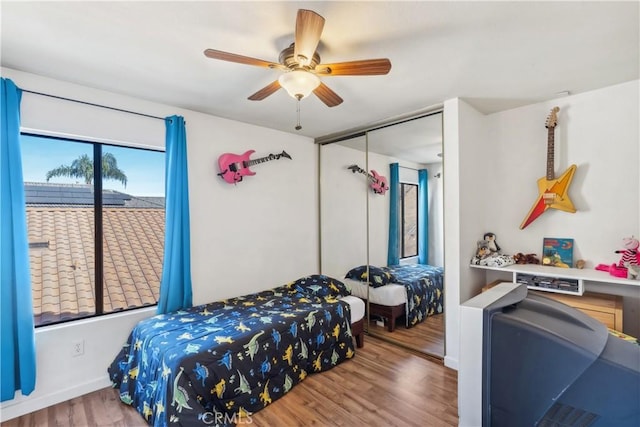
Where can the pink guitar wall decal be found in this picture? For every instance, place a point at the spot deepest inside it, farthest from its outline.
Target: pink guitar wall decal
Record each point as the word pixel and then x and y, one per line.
pixel 234 167
pixel 378 183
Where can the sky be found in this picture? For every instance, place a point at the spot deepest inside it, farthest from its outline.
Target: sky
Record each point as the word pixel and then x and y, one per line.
pixel 144 168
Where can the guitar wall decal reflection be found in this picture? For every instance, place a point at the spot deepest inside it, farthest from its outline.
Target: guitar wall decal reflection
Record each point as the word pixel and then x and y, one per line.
pixel 552 192
pixel 377 182
pixel 233 167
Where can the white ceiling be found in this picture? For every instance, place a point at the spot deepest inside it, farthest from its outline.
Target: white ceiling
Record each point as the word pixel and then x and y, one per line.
pixel 495 55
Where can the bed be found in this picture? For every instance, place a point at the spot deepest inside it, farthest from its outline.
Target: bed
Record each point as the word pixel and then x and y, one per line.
pixel 414 291
pixel 216 363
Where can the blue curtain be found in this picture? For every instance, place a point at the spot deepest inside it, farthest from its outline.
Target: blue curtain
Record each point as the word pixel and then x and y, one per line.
pixel 175 286
pixel 393 255
pixel 423 217
pixel 17 340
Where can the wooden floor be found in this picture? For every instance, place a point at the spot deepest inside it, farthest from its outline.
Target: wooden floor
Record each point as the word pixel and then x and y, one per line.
pixel 383 385
pixel 427 336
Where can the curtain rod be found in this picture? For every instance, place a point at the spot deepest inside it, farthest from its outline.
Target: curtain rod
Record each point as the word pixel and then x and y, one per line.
pixel 407 167
pixel 93 105
pixel 438 175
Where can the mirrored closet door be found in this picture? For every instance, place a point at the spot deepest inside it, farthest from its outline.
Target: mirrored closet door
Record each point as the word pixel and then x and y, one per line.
pixel 407 241
pixel 356 226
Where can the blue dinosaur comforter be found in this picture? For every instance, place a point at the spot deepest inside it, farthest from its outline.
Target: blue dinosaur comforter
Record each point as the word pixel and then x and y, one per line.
pixel 216 363
pixel 424 284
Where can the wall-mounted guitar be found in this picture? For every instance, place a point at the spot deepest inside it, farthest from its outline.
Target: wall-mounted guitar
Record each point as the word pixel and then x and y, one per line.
pixel 234 167
pixel 553 192
pixel 377 182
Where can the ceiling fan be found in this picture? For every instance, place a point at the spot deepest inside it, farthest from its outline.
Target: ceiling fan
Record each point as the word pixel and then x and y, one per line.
pixel 301 64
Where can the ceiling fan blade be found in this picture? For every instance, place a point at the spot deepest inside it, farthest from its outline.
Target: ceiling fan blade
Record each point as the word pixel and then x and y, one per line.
pixel 326 95
pixel 265 91
pixel 309 27
pixel 365 67
pixel 232 57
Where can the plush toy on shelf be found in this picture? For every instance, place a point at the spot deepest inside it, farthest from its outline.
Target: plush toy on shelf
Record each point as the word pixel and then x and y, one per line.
pixel 488 253
pixel 626 268
pixel 630 254
pixel 493 245
pixel 482 250
pixel 521 258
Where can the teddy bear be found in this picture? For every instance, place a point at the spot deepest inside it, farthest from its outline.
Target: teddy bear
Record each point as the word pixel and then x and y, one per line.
pixel 521 258
pixel 630 254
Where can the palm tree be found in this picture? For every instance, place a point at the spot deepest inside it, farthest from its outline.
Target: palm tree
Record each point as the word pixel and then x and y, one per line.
pixel 82 167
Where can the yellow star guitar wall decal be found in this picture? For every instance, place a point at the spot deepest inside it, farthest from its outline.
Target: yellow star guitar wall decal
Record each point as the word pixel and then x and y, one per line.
pixel 552 192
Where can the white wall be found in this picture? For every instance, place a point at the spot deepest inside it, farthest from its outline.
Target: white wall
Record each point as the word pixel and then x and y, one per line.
pixel 254 235
pixel 379 211
pixel 343 209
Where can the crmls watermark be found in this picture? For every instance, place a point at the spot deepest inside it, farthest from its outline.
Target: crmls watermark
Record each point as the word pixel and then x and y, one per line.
pixel 216 418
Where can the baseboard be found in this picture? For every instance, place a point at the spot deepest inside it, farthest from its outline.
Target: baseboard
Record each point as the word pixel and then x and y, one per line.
pixel 450 362
pixel 23 405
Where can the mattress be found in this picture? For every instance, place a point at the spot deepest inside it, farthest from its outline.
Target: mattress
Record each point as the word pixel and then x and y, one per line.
pixel 357 307
pixel 390 295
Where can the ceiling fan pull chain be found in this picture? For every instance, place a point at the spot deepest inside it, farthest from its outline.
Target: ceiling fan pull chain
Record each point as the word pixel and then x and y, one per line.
pixel 298 127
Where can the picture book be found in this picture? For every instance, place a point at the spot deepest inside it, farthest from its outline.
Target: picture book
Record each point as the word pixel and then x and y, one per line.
pixel 557 252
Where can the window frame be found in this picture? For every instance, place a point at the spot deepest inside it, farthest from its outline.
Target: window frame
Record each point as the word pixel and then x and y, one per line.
pixel 97 145
pixel 403 185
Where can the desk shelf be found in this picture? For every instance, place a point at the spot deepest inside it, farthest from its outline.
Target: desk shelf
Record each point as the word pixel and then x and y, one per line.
pixel 585 274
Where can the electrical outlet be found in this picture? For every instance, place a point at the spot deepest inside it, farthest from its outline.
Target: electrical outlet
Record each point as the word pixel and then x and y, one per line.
pixel 77 348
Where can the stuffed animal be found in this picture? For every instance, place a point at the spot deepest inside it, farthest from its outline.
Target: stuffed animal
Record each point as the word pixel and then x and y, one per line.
pixel 521 258
pixel 484 249
pixel 484 256
pixel 493 244
pixel 630 254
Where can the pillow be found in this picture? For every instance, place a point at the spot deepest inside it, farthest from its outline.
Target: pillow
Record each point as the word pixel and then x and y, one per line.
pixel 320 285
pixel 379 277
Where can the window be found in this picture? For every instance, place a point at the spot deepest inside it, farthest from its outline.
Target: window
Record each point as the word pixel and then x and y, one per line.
pixel 409 215
pixel 73 273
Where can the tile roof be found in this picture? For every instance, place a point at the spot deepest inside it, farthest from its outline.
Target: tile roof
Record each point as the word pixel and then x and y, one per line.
pixel 63 272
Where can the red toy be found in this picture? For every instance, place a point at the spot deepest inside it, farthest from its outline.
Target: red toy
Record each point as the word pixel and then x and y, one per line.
pixel 613 269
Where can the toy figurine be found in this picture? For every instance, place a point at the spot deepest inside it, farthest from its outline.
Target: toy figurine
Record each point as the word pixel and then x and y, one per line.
pixel 521 258
pixel 488 253
pixel 630 254
pixel 483 250
pixel 493 245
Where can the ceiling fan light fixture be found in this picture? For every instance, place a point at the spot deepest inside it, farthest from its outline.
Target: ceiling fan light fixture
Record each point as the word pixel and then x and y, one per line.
pixel 298 83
